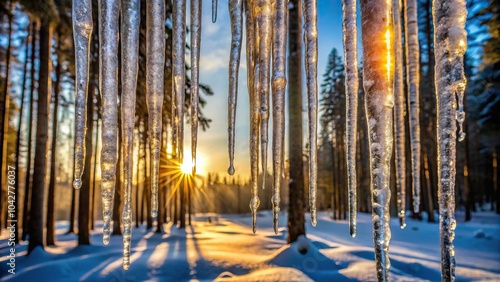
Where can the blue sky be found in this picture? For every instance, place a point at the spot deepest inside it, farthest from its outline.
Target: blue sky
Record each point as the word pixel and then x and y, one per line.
pixel 214 71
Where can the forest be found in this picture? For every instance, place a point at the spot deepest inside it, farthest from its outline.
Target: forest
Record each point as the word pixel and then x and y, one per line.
pixel 39 82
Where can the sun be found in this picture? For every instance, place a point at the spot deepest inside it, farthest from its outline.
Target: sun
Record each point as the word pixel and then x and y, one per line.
pixel 187 167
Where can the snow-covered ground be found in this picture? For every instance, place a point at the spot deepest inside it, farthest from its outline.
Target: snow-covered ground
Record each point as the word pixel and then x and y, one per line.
pixel 226 250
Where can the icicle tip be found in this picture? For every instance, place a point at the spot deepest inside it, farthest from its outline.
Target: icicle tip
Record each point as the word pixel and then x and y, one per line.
pixel 77 184
pixel 230 170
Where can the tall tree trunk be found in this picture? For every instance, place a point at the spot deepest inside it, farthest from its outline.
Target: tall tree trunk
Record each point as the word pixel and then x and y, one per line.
pixel 4 109
pixel 51 220
pixel 37 200
pixel 296 221
pixel 18 139
pixel 71 228
pixel 137 181
pixel 84 198
pixel 27 182
pixel 118 187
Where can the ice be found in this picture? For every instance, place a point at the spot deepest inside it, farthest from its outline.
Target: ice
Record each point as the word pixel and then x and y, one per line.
pixel 252 81
pixel 399 115
pixel 262 14
pixel 311 63
pixel 214 11
pixel 350 32
pixel 413 81
pixel 195 74
pixel 155 61
pixel 130 48
pixel 236 15
pixel 450 42
pixel 376 19
pixel 109 12
pixel 82 26
pixel 179 39
pixel 278 88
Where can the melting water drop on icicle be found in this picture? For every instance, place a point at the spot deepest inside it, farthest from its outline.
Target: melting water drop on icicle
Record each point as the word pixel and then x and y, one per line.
pixel 195 75
pixel 450 37
pixel 412 70
pixel 399 118
pixel 82 27
pixel 311 63
pixel 109 11
pixel 279 88
pixel 235 13
pixel 376 19
pixel 155 60
pixel 351 65
pixel 130 48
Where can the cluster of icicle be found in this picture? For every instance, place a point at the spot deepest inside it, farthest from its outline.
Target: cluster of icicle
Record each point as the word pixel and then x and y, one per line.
pixel 266 39
pixel 127 30
pixel 266 36
pixel 385 107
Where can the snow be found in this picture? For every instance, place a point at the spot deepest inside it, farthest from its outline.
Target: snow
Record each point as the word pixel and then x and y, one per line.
pixel 227 250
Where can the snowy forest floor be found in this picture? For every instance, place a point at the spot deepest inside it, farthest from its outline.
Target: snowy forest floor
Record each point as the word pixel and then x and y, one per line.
pixel 226 250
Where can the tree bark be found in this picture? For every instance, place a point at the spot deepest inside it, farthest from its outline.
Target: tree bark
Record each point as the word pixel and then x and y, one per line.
pixel 51 220
pixel 37 200
pixel 296 221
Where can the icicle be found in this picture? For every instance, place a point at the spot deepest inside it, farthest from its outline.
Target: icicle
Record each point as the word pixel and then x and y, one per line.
pixel 130 48
pixel 311 62
pixel 413 80
pixel 279 88
pixel 179 39
pixel 376 19
pixel 262 16
pixel 195 74
pixel 450 45
pixel 155 60
pixel 82 27
pixel 109 11
pixel 399 118
pixel 235 13
pixel 252 82
pixel 461 112
pixel 351 69
pixel 214 11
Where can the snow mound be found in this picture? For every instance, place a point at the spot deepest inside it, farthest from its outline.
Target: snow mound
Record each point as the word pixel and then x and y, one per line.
pixel 267 275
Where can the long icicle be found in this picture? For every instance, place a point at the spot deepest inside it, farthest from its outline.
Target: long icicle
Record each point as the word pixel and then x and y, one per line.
pixel 82 27
pixel 311 63
pixel 399 116
pixel 262 14
pixel 279 88
pixel 351 69
pixel 376 19
pixel 155 59
pixel 235 13
pixel 413 81
pixel 195 75
pixel 109 11
pixel 254 111
pixel 179 72
pixel 450 40
pixel 130 49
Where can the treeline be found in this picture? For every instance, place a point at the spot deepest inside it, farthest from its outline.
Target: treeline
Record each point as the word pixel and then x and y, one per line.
pixel 37 82
pixel 477 181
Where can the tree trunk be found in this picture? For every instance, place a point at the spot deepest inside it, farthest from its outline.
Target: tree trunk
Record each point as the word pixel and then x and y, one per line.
pixel 4 108
pixel 18 139
pixel 296 221
pixel 94 173
pixel 118 187
pixel 27 190
pixel 37 200
pixel 51 220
